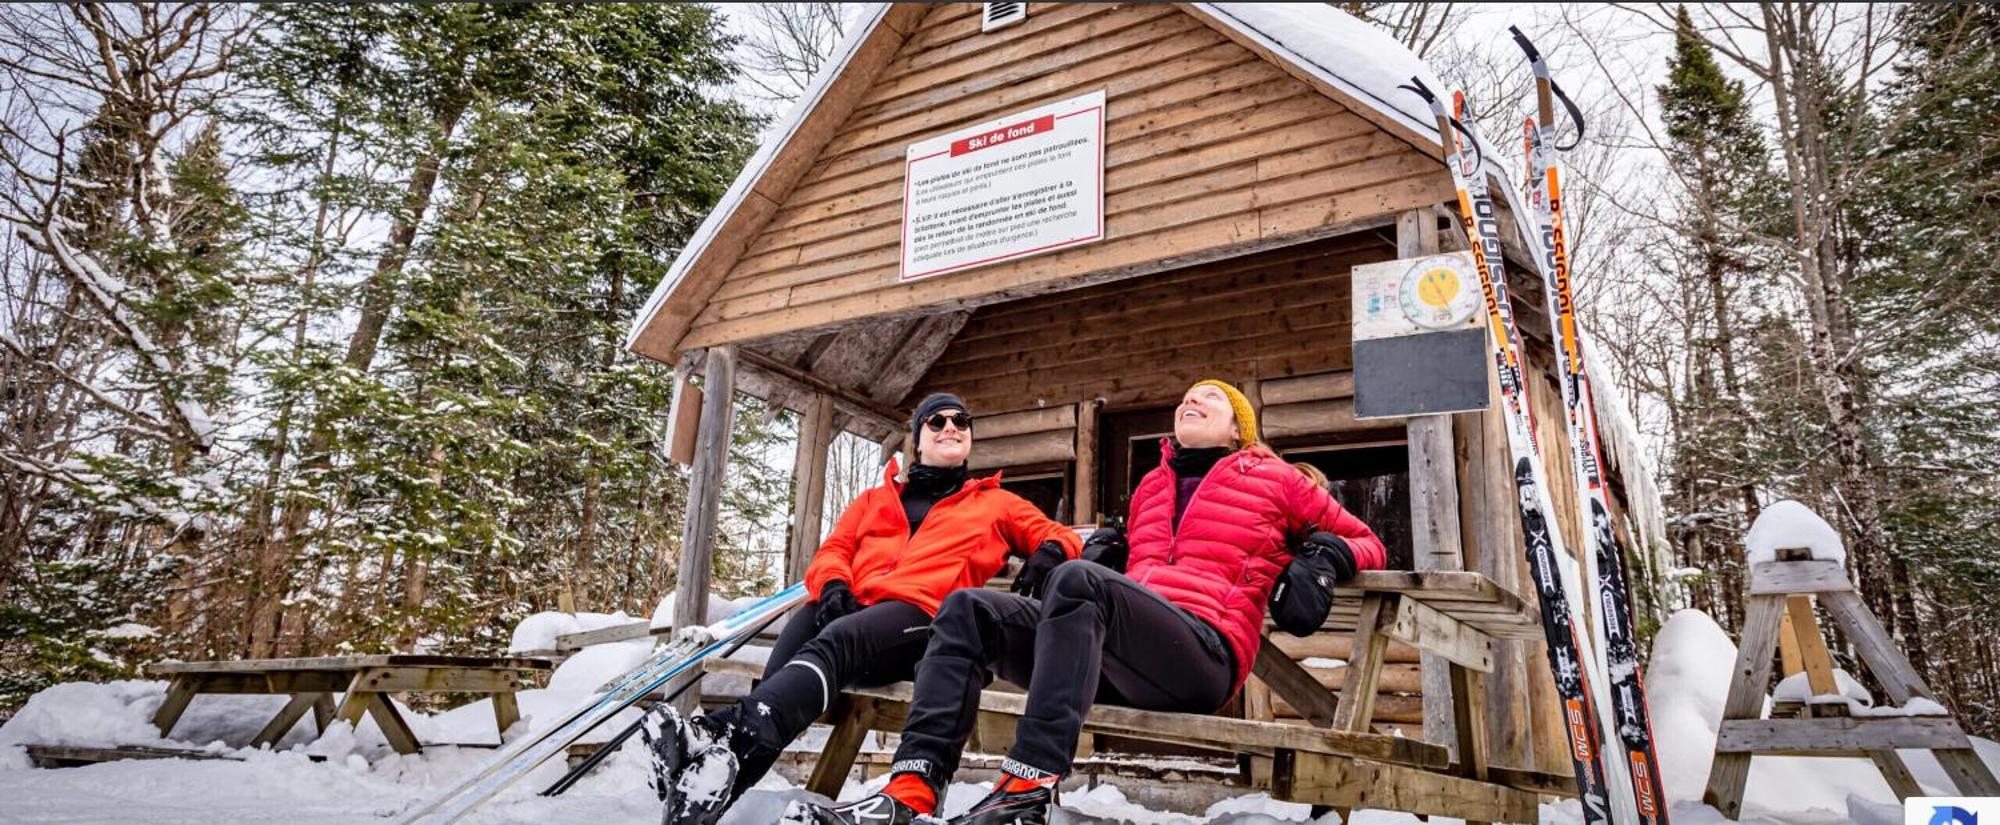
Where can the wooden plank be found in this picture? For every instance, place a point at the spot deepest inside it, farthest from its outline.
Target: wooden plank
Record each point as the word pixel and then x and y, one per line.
pixel 1968 772
pixel 1901 782
pixel 1325 386
pixel 439 680
pixel 180 692
pixel 1884 660
pixel 1202 731
pixel 853 716
pixel 1468 704
pixel 393 727
pixel 809 486
pixel 1747 686
pixel 1083 495
pixel 1026 422
pixel 1432 631
pixel 1022 450
pixel 66 756
pixel 322 711
pixel 1742 736
pixel 345 663
pixel 1785 577
pixel 289 715
pixel 1295 685
pixel 1340 646
pixel 704 500
pixel 1359 783
pixel 1789 659
pixel 1813 655
pixel 1357 691
pixel 506 712
pixel 572 642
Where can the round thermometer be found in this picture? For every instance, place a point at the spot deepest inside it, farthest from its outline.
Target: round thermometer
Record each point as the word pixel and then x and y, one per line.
pixel 1439 292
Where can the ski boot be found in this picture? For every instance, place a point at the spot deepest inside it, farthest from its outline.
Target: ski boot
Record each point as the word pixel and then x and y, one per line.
pixel 695 762
pixel 879 809
pixel 670 741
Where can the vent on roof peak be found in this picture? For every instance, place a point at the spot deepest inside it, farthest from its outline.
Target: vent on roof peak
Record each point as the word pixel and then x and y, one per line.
pixel 1001 15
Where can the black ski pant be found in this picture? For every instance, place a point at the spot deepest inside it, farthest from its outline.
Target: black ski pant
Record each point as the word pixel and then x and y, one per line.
pixel 1096 636
pixel 876 645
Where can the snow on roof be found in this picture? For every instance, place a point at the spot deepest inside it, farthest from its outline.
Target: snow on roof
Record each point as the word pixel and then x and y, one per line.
pixel 1339 49
pixel 1348 53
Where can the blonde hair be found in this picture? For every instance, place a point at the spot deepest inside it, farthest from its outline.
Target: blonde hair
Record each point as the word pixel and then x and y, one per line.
pixel 1313 474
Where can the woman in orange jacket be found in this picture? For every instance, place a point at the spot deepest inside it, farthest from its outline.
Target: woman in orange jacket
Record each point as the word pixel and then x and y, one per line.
pixel 876 582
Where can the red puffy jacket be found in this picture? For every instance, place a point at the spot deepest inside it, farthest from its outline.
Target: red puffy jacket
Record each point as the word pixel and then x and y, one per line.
pixel 1234 539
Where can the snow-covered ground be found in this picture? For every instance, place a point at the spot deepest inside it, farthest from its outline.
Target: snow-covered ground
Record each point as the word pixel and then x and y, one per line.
pixel 360 780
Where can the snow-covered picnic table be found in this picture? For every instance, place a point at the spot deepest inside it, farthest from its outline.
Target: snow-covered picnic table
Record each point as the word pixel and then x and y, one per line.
pixel 364 683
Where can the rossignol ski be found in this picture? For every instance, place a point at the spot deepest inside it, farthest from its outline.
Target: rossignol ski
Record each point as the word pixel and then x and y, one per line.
pixel 529 752
pixel 1604 568
pixel 1567 658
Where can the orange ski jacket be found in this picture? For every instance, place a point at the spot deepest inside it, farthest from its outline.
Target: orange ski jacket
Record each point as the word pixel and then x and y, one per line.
pixel 962 542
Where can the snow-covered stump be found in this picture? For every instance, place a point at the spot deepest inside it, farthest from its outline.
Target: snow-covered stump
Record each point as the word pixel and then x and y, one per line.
pixel 1795 557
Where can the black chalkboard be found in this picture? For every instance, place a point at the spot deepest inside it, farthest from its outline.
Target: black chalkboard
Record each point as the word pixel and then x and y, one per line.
pixel 1430 372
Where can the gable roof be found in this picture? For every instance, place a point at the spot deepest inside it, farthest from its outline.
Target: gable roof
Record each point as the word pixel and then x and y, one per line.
pixel 1356 64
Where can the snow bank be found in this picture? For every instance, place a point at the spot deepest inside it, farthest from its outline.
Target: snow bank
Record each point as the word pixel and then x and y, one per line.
pixel 539 631
pixel 1788 524
pixel 719 608
pixel 1798 688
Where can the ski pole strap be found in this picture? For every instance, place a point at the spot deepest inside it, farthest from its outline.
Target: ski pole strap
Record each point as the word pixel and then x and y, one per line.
pixel 1534 54
pixel 1575 115
pixel 1417 86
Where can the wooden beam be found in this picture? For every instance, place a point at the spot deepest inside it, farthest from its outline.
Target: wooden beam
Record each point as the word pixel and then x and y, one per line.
pixel 850 402
pixel 1817 576
pixel 1027 422
pixel 1808 736
pixel 809 485
pixel 704 502
pixel 1083 495
pixel 1023 450
pixel 1295 685
pixel 1747 688
pixel 1434 632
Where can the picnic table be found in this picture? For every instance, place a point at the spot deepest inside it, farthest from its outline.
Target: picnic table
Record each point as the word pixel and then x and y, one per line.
pixel 364 683
pixel 1335 760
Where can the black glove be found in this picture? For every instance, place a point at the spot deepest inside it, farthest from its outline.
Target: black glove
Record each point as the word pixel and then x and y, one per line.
pixel 1107 546
pixel 1036 569
pixel 835 601
pixel 1336 551
pixel 1304 593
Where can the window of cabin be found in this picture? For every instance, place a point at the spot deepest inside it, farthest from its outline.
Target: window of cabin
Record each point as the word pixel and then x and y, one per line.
pixel 1371 480
pixel 1045 486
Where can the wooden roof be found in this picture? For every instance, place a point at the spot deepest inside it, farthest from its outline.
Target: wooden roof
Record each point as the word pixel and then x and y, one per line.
pixel 1222 139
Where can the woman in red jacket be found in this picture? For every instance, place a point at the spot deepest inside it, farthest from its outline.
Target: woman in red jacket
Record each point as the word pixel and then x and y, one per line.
pixel 1212 530
pixel 895 554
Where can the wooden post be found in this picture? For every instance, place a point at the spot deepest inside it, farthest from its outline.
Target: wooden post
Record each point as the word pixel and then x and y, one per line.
pixel 705 499
pixel 1433 498
pixel 1083 507
pixel 809 485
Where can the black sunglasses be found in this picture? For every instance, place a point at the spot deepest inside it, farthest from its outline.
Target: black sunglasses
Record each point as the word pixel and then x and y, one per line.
pixel 936 422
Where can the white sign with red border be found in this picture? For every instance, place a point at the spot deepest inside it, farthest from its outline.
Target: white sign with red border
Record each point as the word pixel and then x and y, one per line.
pixel 1015 186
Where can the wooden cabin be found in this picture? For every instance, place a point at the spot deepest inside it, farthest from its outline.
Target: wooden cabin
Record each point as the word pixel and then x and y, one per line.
pixel 1250 158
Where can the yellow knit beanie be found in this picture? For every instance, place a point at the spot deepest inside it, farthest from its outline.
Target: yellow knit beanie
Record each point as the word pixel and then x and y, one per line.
pixel 1246 416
